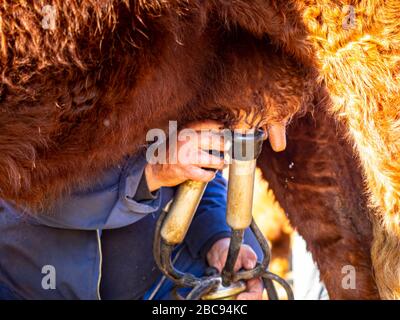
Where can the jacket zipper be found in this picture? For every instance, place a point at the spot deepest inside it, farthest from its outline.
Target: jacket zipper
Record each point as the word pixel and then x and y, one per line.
pixel 100 263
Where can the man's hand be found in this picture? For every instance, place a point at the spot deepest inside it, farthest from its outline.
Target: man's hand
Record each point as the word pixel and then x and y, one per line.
pixel 193 159
pixel 247 259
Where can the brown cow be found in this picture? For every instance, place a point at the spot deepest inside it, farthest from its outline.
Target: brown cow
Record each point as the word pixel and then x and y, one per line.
pixel 82 82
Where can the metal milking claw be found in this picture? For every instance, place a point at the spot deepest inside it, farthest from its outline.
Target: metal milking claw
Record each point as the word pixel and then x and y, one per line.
pixel 176 217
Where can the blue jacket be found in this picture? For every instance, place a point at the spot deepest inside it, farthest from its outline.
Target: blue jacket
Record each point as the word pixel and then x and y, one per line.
pixel 99 240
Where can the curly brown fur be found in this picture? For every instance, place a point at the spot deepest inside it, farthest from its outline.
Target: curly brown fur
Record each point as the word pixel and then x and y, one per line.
pixel 69 87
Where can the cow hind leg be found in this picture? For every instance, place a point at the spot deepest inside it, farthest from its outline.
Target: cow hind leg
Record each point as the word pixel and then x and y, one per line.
pixel 318 183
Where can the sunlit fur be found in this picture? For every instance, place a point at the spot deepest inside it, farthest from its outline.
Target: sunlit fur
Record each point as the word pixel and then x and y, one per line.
pixel 360 65
pixel 77 99
pixel 361 69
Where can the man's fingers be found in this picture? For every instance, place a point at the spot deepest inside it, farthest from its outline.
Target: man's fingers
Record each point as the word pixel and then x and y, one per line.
pixel 206 160
pixel 211 140
pixel 250 260
pixel 197 174
pixel 254 290
pixel 217 260
pixel 219 263
pixel 247 258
